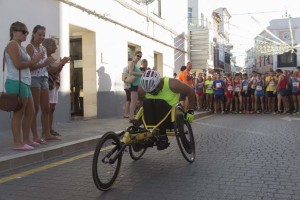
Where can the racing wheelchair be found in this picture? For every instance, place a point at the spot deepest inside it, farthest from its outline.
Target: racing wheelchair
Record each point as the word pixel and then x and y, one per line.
pixel 138 137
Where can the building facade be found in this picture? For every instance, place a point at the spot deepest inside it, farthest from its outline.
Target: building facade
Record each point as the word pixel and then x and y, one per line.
pixel 200 43
pixel 276 47
pixel 223 43
pixel 100 36
pixel 208 45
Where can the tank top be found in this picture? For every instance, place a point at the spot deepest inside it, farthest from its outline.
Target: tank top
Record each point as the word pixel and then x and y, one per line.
pixel 209 86
pixel 199 88
pixel 44 70
pixel 245 85
pixel 259 86
pixel 283 83
pixel 295 84
pixel 13 72
pixel 229 86
pixel 165 94
pixel 237 86
pixel 137 80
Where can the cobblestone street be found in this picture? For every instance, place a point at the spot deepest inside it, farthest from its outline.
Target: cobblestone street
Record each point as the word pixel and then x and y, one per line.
pixel 238 157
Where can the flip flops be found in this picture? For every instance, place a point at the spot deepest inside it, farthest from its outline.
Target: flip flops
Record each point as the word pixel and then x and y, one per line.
pixel 24 147
pixel 40 141
pixel 34 144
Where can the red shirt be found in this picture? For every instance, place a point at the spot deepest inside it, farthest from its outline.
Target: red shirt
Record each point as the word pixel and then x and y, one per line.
pixel 283 83
pixel 237 86
pixel 229 86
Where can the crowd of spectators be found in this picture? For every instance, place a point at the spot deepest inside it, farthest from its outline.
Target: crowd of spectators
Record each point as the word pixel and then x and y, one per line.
pixel 272 92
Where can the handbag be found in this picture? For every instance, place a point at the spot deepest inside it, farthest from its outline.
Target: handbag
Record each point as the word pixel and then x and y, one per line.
pixel 51 80
pixel 10 102
pixel 124 75
pixel 129 78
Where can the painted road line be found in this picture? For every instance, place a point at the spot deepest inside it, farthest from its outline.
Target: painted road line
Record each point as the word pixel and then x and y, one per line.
pixel 45 167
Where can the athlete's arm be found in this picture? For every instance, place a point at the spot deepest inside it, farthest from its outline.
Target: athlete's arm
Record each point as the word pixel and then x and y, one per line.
pixel 182 88
pixel 141 95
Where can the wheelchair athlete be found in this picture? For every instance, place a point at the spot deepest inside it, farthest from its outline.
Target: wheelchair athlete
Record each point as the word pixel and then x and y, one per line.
pixel 158 96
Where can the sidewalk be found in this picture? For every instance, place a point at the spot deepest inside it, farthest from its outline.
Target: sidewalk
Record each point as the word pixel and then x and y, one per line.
pixel 76 135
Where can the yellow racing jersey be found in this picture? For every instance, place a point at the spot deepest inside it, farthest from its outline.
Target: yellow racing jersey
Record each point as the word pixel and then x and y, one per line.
pixel 271 83
pixel 209 86
pixel 165 94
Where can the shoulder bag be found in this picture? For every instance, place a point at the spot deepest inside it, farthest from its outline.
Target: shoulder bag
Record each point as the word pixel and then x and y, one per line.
pixel 129 78
pixel 10 102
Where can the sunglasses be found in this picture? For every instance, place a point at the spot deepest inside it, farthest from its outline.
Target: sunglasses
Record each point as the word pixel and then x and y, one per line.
pixel 23 32
pixel 139 56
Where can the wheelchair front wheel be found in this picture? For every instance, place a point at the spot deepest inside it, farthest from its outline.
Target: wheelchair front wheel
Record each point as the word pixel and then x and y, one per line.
pixel 104 170
pixel 185 138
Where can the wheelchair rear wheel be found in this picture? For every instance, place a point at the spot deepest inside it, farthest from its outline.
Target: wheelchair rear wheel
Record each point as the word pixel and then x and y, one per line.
pixel 185 137
pixel 104 171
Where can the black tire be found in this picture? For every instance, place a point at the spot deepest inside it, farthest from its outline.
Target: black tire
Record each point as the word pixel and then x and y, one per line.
pixel 136 151
pixel 136 155
pixel 109 143
pixel 185 137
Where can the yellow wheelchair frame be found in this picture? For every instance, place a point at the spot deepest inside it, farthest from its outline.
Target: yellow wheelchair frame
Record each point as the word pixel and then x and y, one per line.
pixel 138 139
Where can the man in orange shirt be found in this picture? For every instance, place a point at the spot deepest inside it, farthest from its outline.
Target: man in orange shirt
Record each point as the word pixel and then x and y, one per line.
pixel 188 79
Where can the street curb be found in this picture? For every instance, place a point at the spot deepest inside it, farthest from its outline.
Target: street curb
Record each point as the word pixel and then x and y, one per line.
pixel 38 155
pixel 26 158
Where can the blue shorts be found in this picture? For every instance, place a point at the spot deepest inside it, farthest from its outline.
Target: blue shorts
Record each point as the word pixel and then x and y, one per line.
pixel 12 87
pixel 219 97
pixel 259 93
pixel 40 82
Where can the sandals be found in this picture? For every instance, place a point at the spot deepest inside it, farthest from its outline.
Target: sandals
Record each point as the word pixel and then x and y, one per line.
pixel 40 141
pixel 52 137
pixel 54 133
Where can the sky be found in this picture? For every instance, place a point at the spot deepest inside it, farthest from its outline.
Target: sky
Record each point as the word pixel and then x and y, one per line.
pixel 243 28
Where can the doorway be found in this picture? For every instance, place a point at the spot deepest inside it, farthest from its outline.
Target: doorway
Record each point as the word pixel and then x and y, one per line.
pixel 83 73
pixel 76 79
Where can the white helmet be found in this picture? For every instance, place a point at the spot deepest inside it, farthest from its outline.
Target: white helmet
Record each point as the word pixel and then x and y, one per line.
pixel 150 80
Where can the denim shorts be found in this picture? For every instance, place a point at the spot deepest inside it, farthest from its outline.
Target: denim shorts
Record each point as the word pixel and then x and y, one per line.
pixel 133 88
pixel 282 92
pixel 12 87
pixel 40 82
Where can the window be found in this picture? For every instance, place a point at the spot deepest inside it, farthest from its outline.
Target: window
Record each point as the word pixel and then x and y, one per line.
pixel 157 8
pixel 190 15
pixel 131 50
pixel 288 59
pixel 259 61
